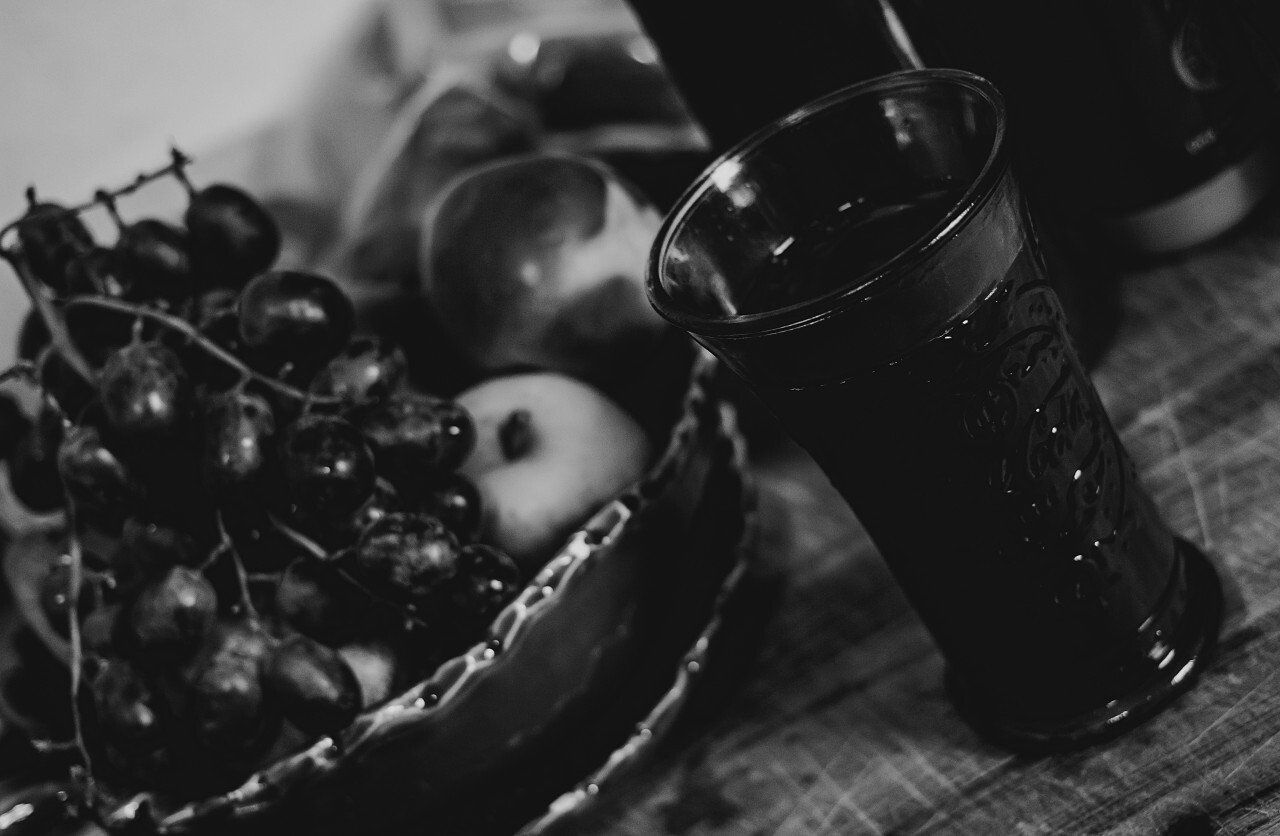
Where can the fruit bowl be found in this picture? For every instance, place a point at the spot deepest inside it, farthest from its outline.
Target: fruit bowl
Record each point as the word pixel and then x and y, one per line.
pixel 573 682
pixel 575 679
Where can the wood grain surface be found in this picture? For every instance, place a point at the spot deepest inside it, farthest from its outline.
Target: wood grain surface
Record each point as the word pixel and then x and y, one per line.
pixel 837 721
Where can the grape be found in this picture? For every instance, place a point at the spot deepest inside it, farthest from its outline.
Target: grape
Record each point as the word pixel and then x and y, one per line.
pixel 33 335
pixel 407 555
pixel 260 545
pixel 156 548
pixel 215 316
pixel 232 236
pixel 455 500
pixel 97 333
pixel 144 389
pixel 297 318
pixel 172 615
pixel 230 712
pixel 151 261
pixel 94 477
pixel 90 273
pixel 176 496
pixel 14 424
pixel 239 429
pixel 130 713
pixel 416 437
pixel 50 238
pixel 339 532
pixel 101 632
pixel 64 384
pixel 327 466
pixel 318 691
pixel 33 468
pixel 486 581
pixel 213 305
pixel 367 369
pixel 223 574
pixel 318 601
pixel 384 500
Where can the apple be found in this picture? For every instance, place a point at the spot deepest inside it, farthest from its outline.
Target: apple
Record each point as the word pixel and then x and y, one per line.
pixel 538 261
pixel 550 451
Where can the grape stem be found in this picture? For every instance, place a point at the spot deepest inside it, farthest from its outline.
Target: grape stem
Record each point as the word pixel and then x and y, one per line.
pixel 299 539
pixel 216 553
pixel 108 201
pixel 40 298
pixel 180 171
pixel 59 336
pixel 177 166
pixel 75 579
pixel 189 331
pixel 227 548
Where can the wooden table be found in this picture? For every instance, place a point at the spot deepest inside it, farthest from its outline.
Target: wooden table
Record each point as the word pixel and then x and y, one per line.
pixel 839 722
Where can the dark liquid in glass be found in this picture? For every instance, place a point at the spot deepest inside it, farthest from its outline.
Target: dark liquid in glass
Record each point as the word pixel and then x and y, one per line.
pixel 855 238
pixel 988 474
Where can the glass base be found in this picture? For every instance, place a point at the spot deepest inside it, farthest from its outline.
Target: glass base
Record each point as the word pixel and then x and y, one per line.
pixel 1190 646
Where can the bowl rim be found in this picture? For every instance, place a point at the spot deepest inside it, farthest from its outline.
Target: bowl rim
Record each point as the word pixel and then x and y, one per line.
pixel 650 729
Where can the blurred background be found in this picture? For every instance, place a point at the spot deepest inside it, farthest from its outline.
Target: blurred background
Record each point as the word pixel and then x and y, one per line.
pixel 95 91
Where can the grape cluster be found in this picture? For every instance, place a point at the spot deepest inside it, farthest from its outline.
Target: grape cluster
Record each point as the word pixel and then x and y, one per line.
pixel 257 505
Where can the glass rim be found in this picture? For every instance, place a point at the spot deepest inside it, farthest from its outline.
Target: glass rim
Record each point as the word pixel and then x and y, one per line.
pixel 869 284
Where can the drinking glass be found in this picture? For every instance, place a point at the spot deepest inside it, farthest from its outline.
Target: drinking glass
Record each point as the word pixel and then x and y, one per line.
pixel 866 264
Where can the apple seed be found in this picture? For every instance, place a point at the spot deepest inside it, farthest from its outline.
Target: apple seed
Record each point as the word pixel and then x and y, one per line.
pixel 515 434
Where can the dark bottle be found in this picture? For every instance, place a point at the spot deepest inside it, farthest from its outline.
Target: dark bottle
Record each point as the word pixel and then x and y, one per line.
pixel 741 65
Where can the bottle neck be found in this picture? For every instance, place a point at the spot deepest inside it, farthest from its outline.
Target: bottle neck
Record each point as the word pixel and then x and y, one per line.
pixel 740 66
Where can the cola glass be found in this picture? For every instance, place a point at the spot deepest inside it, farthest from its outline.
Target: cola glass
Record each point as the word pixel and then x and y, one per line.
pixel 868 266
